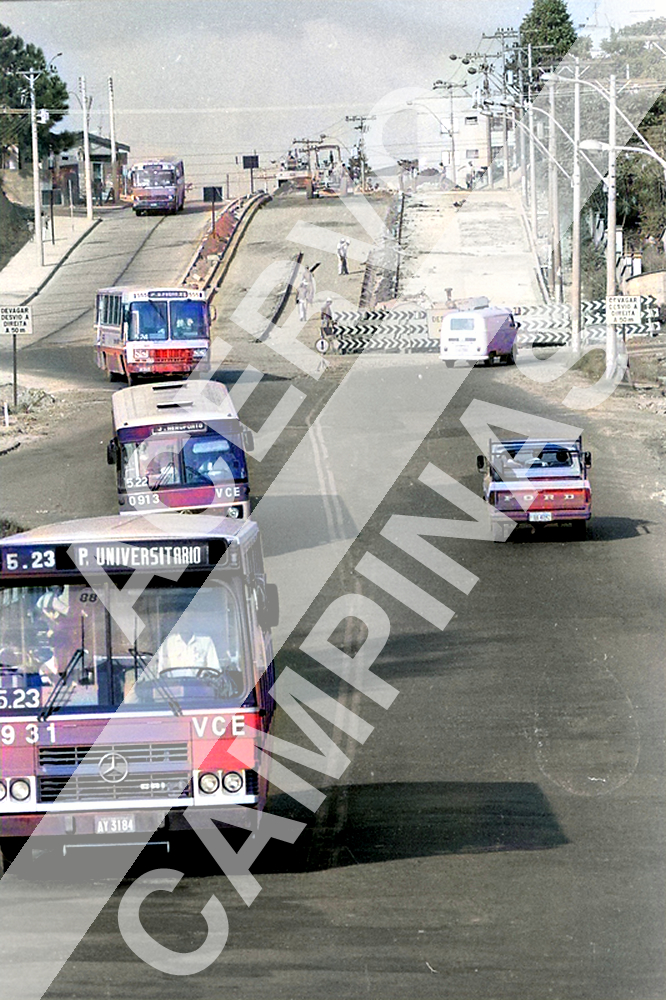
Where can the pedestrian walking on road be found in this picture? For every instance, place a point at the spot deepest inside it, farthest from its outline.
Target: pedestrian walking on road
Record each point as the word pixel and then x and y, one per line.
pixel 342 256
pixel 303 300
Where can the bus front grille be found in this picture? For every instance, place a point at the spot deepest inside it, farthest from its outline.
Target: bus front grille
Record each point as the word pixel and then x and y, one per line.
pixel 134 753
pixel 88 787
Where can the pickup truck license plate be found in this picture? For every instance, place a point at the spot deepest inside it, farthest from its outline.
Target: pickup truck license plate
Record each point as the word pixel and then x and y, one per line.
pixel 115 824
pixel 541 515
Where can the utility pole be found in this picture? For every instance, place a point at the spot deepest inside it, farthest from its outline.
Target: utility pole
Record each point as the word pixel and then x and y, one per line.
pixel 361 119
pixel 533 170
pixel 112 137
pixel 556 276
pixel 31 75
pixel 502 34
pixel 86 148
pixel 611 333
pixel 575 226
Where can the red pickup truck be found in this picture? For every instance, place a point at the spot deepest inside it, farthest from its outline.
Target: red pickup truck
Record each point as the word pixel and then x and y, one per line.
pixel 537 483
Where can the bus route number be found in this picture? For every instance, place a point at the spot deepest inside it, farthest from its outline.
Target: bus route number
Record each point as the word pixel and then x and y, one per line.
pixel 31 734
pixel 29 559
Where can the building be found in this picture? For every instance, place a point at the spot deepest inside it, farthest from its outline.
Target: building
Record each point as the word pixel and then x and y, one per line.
pixel 457 137
pixel 65 171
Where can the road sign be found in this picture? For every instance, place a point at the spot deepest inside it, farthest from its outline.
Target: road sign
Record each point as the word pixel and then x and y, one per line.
pixel 15 320
pixel 322 345
pixel 250 162
pixel 214 192
pixel 623 309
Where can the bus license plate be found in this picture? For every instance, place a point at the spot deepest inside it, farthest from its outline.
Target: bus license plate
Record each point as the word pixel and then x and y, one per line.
pixel 539 515
pixel 115 824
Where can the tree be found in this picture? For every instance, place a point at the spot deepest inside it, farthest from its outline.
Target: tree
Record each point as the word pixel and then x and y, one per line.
pixel 50 92
pixel 548 23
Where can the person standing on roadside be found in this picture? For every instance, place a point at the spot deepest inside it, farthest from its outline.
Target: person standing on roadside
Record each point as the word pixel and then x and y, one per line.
pixel 327 318
pixel 341 250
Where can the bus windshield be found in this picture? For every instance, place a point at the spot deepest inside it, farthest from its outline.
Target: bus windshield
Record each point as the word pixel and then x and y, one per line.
pixel 46 629
pixel 153 178
pixel 201 460
pixel 161 319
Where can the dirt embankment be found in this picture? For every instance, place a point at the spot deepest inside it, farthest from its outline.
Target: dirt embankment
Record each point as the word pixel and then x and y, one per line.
pixel 14 228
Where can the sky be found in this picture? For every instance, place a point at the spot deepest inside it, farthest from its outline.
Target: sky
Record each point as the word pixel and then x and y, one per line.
pixel 210 80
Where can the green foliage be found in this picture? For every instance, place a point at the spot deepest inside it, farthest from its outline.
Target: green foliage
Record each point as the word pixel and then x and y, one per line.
pixel 644 61
pixel 593 269
pixel 548 23
pixel 50 92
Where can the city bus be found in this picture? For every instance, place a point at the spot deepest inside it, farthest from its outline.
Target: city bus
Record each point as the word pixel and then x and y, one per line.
pixel 151 331
pixel 179 446
pixel 107 734
pixel 157 186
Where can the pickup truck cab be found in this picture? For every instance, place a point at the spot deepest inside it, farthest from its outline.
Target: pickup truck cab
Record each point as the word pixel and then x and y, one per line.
pixel 537 483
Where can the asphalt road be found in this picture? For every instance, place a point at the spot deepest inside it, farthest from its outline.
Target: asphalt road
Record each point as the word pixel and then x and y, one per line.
pixel 500 832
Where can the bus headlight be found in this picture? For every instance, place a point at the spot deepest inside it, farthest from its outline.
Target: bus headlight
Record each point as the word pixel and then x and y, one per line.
pixel 209 783
pixel 232 782
pixel 233 512
pixel 200 352
pixel 3 791
pixel 20 790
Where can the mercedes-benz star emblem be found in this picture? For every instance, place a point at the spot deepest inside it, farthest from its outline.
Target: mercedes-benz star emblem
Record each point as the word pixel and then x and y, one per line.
pixel 113 768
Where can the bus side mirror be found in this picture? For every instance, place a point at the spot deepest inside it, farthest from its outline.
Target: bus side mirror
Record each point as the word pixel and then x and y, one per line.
pixel 518 325
pixel 268 613
pixel 588 458
pixel 481 463
pixel 212 312
pixel 112 452
pixel 248 439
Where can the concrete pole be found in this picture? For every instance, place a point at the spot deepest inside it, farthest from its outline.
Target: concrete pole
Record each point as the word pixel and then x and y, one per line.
pixel 556 280
pixel 453 141
pixel 112 137
pixel 611 332
pixel 36 187
pixel 533 170
pixel 86 148
pixel 575 228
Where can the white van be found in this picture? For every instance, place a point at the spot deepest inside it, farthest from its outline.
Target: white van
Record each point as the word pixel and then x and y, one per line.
pixel 479 335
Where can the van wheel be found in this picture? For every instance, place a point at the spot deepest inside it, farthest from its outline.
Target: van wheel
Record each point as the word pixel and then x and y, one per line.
pixel 511 358
pixel 449 364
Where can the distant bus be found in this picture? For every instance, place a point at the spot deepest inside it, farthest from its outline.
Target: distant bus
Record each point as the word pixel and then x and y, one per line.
pixel 179 446
pixel 157 186
pixel 151 331
pixel 107 738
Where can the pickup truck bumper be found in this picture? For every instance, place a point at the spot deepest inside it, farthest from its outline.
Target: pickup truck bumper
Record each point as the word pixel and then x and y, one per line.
pixel 543 516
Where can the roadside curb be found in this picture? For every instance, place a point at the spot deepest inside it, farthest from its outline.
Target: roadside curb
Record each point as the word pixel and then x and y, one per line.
pixel 58 264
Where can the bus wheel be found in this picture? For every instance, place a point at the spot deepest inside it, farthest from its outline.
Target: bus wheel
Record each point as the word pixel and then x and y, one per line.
pixel 110 374
pixel 449 364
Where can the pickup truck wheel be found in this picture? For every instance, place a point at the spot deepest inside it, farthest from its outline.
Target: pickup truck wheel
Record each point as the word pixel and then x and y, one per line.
pixel 579 531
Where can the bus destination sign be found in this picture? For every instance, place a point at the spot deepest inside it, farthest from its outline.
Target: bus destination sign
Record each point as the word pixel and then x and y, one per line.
pixel 54 559
pixel 192 426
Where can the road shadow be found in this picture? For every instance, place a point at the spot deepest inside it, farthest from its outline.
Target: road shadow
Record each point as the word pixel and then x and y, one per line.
pixel 599 529
pixel 385 822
